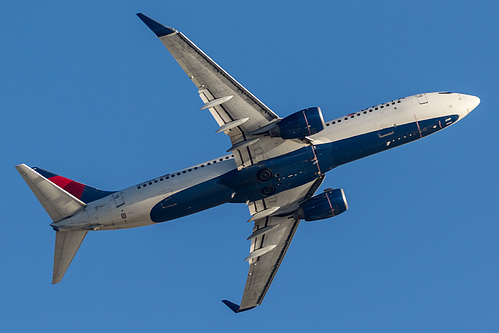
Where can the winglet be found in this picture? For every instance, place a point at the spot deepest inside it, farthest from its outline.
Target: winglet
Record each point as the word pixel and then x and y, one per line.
pixel 234 307
pixel 156 27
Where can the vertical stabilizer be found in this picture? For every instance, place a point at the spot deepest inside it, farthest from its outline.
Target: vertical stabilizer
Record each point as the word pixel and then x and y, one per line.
pixel 58 203
pixel 66 245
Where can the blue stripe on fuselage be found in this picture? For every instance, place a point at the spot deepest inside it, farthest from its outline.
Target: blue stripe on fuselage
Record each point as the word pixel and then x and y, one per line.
pixel 237 186
pixel 191 200
pixel 354 148
pixel 291 170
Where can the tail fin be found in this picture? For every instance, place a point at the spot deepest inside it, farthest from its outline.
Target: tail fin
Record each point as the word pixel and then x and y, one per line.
pixel 61 197
pixel 81 191
pixel 58 203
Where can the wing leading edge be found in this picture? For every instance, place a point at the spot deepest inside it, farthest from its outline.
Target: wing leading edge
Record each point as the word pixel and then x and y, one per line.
pixel 236 110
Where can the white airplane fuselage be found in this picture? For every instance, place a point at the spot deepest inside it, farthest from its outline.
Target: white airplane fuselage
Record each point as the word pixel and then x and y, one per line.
pixel 218 181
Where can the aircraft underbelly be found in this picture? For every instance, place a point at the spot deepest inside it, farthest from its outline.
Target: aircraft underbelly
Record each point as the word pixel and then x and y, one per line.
pixel 191 200
pixel 281 174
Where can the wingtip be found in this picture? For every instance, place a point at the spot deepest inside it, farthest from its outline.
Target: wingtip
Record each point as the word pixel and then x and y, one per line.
pixel 234 307
pixel 156 27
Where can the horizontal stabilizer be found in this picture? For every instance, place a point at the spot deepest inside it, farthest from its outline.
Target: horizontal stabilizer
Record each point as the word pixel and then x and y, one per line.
pixel 58 203
pixel 67 244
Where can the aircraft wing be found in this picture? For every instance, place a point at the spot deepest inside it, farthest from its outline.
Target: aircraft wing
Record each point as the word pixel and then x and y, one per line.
pixel 266 254
pixel 244 119
pixel 237 111
pixel 274 229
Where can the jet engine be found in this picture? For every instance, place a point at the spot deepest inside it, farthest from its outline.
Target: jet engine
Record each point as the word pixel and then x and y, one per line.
pixel 299 124
pixel 322 206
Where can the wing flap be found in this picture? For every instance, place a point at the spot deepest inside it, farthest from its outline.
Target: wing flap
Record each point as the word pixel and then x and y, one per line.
pixel 263 268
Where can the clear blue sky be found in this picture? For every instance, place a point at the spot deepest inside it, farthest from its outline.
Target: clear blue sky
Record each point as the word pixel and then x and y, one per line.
pixel 88 92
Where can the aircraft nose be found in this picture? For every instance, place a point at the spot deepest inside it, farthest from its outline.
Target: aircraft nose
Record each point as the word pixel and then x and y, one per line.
pixel 471 102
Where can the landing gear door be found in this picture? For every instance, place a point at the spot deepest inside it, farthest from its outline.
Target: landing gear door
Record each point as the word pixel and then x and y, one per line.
pixel 118 199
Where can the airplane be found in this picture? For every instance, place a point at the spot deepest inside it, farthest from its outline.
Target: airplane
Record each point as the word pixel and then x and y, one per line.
pixel 274 165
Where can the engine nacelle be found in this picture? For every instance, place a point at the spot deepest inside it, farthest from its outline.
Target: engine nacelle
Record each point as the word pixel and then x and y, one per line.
pixel 300 124
pixel 322 206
